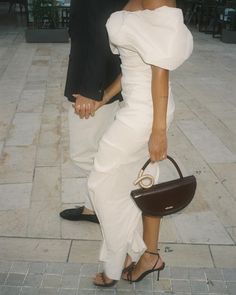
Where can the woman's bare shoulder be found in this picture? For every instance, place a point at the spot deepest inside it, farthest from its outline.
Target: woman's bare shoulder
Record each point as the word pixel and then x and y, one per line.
pixel 153 4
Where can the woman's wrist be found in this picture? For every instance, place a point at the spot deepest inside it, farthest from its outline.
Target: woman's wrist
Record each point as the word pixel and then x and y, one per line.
pixel 106 97
pixel 159 129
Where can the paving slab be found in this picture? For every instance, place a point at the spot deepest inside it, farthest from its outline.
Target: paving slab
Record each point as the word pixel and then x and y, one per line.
pixel 7 112
pixel 221 259
pixel 230 123
pixel 24 130
pixel 85 251
pixel 79 281
pixel 68 292
pixel 229 274
pixel 214 194
pixel 20 267
pixel 213 233
pixel 79 230
pixel 231 287
pixel 17 164
pixel 48 155
pixel 51 281
pixel 186 255
pixel 46 184
pixel 169 232
pixel 14 222
pixel 204 140
pixel 222 111
pixel 44 220
pixel 34 249
pixel 226 174
pixel 34 85
pixel 74 190
pixel 29 291
pixel 1 147
pixel 45 204
pixel 55 268
pixel 199 109
pixel 31 101
pixel 15 196
pixel 9 290
pixel 69 169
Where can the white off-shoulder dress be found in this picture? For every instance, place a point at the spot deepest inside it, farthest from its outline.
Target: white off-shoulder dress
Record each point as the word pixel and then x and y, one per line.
pixel 142 38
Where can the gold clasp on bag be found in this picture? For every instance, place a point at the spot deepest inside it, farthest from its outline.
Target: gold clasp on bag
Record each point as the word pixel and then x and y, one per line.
pixel 142 177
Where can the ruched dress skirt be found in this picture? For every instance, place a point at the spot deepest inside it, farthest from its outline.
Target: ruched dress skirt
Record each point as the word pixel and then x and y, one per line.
pixel 122 151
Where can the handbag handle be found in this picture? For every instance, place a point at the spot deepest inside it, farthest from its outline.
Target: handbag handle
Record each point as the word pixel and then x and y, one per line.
pixel 149 177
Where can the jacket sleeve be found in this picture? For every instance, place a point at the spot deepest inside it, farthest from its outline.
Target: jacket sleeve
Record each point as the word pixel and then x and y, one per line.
pixel 94 70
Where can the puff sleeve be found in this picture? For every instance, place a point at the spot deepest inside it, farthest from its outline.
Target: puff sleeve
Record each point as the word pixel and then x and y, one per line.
pixel 159 36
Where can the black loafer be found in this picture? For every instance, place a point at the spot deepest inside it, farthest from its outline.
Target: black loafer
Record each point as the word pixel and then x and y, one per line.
pixel 75 214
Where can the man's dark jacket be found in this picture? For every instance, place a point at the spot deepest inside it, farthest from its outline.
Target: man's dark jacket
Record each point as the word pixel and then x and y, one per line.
pixel 92 66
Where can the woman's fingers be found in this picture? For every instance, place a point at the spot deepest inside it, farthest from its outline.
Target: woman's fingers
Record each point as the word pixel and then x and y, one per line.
pixel 84 110
pixel 87 111
pixel 92 109
pixel 157 156
pixel 84 107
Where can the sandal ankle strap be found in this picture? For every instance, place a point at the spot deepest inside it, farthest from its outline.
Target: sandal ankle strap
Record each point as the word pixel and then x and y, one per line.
pixel 152 253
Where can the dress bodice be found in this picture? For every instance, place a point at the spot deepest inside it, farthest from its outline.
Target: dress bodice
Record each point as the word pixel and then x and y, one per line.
pixel 157 37
pixel 143 38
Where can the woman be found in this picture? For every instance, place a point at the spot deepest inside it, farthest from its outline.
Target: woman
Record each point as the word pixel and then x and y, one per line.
pixel 151 39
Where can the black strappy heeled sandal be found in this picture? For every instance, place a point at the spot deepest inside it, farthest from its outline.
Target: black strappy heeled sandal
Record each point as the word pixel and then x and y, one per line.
pixel 144 274
pixel 105 285
pixel 129 267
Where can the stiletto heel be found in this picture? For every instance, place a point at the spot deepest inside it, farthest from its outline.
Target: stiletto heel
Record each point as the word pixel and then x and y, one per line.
pixel 160 269
pixel 158 275
pixel 144 274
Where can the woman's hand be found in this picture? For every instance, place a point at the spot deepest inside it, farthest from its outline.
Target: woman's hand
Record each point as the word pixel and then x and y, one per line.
pixel 157 145
pixel 84 106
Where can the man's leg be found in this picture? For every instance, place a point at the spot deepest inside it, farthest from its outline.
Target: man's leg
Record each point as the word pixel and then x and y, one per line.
pixel 85 135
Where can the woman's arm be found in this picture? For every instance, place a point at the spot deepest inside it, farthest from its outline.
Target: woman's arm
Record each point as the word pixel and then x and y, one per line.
pixel 110 92
pixel 158 138
pixel 160 91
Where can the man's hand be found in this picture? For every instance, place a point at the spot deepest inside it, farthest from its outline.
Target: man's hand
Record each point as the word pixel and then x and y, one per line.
pixel 84 106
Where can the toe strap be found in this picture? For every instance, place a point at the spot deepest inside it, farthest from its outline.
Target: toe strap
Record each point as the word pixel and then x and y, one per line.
pixel 129 274
pixel 103 278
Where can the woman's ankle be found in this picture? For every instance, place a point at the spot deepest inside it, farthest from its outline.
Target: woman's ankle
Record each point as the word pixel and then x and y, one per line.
pixel 152 251
pixel 150 257
pixel 128 261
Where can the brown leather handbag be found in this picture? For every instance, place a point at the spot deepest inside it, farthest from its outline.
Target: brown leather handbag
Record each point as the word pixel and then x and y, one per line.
pixel 164 198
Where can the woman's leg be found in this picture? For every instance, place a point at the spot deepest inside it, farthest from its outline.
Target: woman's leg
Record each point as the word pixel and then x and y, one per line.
pixel 116 166
pixel 151 227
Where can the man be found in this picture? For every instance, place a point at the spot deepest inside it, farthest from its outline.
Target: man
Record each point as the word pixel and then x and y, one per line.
pixel 92 68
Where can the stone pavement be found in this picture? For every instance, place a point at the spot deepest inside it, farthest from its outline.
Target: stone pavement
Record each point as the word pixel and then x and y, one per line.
pixel 42 254
pixel 75 279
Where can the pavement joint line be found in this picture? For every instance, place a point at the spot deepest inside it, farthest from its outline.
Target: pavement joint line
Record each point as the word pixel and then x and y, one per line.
pixel 76 240
pixel 212 258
